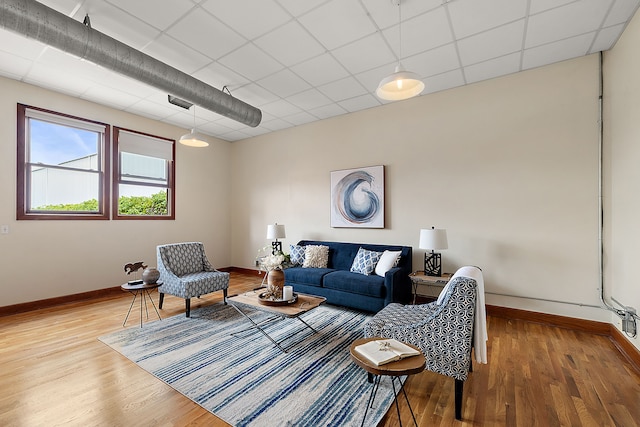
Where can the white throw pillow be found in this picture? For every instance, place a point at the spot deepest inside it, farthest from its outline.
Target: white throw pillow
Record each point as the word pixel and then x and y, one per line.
pixel 316 256
pixel 388 260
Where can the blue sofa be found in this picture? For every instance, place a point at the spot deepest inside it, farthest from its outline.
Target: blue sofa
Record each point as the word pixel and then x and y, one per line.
pixel 342 287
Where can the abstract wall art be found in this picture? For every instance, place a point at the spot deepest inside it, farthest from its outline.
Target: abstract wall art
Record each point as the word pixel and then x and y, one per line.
pixel 357 197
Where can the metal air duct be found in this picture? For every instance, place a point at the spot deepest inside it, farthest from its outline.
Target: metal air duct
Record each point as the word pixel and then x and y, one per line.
pixel 37 21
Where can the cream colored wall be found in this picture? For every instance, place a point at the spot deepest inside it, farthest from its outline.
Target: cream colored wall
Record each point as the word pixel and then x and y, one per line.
pixel 45 259
pixel 507 166
pixel 622 180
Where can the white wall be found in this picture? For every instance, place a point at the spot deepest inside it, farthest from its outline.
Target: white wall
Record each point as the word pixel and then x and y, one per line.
pixel 45 259
pixel 507 166
pixel 622 181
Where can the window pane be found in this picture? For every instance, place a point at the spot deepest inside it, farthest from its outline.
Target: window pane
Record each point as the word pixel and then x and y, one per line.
pixel 54 189
pixel 143 169
pixel 142 200
pixel 55 144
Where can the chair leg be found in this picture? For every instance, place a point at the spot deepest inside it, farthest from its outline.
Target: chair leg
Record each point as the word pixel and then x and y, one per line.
pixel 161 300
pixel 458 392
pixel 187 302
pixel 224 296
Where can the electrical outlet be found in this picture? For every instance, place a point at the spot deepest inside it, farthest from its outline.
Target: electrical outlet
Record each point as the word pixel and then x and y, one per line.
pixel 629 322
pixel 4 229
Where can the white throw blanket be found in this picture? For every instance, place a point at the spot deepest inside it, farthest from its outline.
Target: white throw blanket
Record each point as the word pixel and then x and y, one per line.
pixel 480 336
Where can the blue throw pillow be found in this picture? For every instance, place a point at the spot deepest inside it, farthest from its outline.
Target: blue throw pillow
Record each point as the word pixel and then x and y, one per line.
pixel 296 252
pixel 365 261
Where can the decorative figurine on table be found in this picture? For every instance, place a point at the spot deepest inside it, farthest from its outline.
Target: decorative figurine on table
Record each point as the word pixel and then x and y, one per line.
pixel 133 267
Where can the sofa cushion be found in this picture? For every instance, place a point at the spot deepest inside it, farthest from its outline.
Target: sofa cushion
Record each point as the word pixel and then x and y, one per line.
pixel 305 276
pixel 296 254
pixel 354 283
pixel 387 261
pixel 316 256
pixel 365 261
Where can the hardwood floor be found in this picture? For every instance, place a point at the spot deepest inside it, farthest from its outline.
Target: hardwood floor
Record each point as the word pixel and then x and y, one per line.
pixel 56 372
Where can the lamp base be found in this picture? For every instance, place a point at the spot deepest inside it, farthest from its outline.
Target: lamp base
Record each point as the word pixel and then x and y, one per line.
pixel 432 264
pixel 276 247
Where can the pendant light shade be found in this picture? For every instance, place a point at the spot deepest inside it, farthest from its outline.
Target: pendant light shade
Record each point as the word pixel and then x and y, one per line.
pixel 400 85
pixel 193 138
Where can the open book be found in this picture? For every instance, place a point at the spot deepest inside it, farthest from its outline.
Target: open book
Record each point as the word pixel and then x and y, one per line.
pixel 385 351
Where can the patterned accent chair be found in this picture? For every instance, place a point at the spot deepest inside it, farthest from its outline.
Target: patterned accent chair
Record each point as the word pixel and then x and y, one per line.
pixel 443 331
pixel 186 272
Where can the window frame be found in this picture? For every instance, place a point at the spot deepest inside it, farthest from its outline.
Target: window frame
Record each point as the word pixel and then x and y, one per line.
pixel 23 208
pixel 116 179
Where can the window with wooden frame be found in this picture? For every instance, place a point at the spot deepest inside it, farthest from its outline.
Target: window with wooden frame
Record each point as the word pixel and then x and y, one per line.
pixel 62 163
pixel 144 171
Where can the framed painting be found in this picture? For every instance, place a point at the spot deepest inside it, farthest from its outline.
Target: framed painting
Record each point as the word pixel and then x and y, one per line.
pixel 357 197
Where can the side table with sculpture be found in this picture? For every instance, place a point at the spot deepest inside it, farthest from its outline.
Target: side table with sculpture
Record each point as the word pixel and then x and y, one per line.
pixel 141 288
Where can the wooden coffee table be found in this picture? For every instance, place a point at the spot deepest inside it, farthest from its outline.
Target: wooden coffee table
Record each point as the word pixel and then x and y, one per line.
pixel 408 366
pixel 303 304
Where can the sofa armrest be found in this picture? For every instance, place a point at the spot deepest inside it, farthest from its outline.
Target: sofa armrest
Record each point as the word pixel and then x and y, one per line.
pixel 398 286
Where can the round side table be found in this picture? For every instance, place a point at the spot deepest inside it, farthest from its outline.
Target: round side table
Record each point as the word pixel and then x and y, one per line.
pixel 407 366
pixel 141 289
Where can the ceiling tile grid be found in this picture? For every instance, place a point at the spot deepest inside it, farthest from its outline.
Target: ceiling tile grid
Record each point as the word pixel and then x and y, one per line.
pixel 302 61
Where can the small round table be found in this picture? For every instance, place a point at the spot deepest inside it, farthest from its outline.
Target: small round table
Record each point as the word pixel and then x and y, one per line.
pixel 141 289
pixel 408 366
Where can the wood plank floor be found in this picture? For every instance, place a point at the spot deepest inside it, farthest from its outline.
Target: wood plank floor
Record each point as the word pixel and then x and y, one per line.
pixel 56 372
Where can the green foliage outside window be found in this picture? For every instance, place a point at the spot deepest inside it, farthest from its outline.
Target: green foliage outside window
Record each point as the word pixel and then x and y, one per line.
pixel 86 206
pixel 131 205
pixel 140 205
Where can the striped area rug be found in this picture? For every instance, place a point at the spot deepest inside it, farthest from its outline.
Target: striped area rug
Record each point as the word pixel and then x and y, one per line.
pixel 242 378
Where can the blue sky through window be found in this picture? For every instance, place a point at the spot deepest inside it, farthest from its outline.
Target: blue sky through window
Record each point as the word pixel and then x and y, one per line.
pixel 55 144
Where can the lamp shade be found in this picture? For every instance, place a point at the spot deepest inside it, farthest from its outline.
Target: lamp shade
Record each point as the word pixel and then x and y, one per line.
pixel 433 238
pixel 276 231
pixel 400 85
pixel 193 139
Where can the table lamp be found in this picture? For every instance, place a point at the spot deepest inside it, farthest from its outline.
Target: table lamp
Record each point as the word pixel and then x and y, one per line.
pixel 276 231
pixel 432 239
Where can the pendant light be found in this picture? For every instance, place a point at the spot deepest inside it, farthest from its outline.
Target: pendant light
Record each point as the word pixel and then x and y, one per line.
pixel 401 84
pixel 193 139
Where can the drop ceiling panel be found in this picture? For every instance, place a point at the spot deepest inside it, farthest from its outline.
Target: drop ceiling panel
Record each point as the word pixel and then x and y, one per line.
pixel 176 54
pixel 290 44
pixel 424 32
pixel 558 51
pixel 620 11
pixel 560 23
pixel 251 62
pixel 284 83
pixel 320 70
pixel 342 89
pixel 492 44
pixel 364 54
pixel 494 68
pixel 472 17
pixel 161 17
pixel 206 34
pixel 338 22
pixel 248 18
pixel 118 24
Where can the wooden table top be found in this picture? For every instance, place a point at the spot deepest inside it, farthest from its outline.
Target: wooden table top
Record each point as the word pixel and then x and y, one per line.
pixel 407 366
pixel 140 286
pixel 303 304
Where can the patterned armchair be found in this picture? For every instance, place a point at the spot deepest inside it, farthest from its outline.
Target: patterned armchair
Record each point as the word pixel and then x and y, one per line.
pixel 185 272
pixel 443 329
